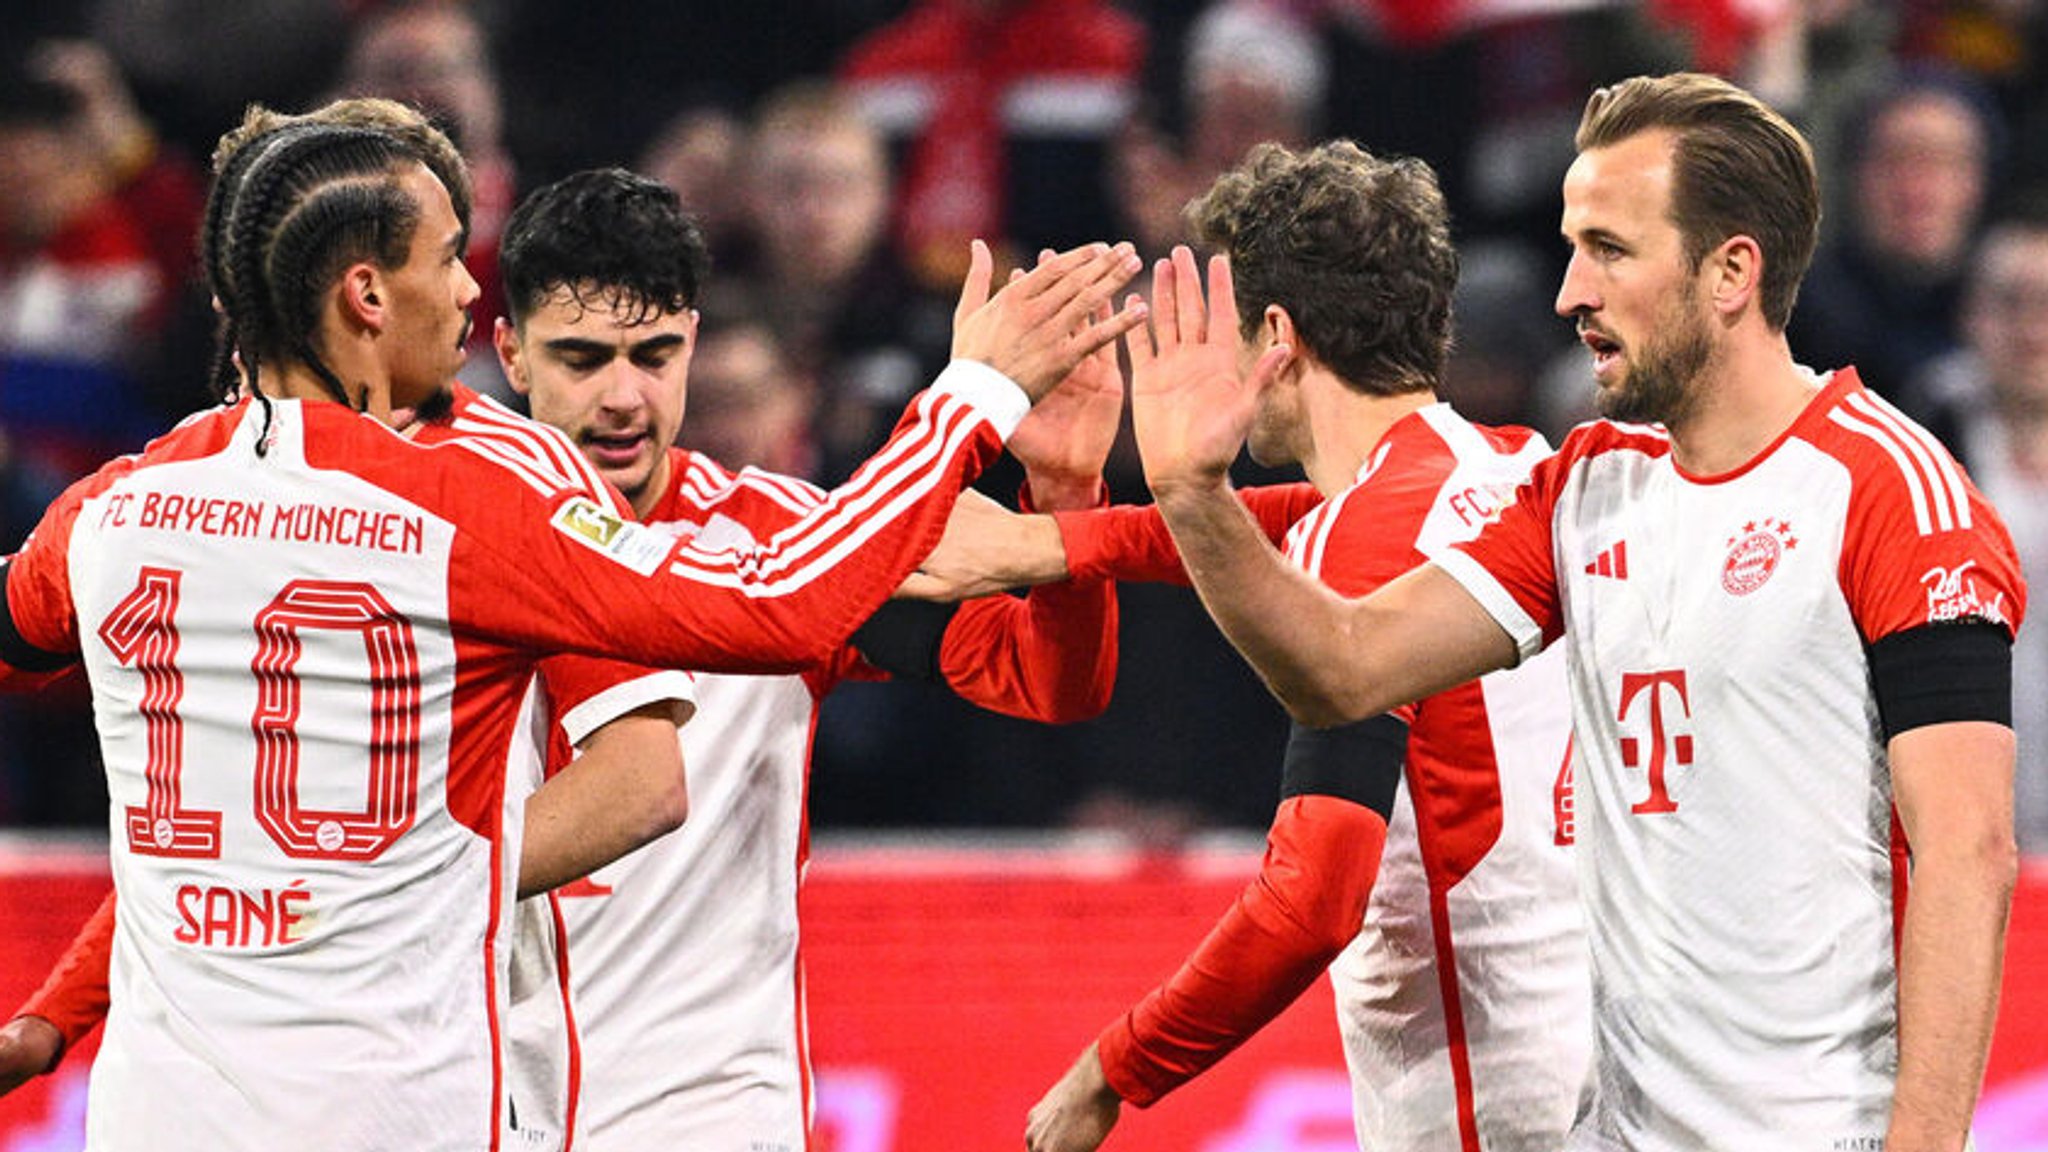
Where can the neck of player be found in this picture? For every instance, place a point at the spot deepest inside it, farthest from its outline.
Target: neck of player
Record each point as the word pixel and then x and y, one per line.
pixel 1345 425
pixel 1749 393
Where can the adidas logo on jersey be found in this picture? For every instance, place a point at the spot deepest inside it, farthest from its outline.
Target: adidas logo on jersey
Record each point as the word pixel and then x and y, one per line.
pixel 1612 562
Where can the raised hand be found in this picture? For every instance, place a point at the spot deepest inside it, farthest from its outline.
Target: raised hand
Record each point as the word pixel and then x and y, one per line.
pixel 1190 407
pixel 1077 1113
pixel 1066 439
pixel 1040 325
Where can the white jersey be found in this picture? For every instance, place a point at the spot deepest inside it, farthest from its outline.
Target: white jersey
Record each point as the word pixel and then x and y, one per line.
pixel 1738 848
pixel 685 962
pixel 1464 1001
pixel 307 668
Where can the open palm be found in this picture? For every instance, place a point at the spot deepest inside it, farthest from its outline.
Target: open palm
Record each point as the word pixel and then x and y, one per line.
pixel 1190 407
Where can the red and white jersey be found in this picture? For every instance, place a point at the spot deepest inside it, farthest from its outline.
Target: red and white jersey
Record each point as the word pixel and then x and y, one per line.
pixel 1464 1002
pixel 1738 855
pixel 685 967
pixel 307 667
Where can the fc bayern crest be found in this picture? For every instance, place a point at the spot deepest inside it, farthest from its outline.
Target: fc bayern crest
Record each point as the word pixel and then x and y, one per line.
pixel 1753 555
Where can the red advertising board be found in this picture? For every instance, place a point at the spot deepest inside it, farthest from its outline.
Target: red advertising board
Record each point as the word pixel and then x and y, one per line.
pixel 950 984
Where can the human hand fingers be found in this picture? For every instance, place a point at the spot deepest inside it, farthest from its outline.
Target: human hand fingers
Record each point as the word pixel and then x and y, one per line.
pixel 1193 314
pixel 981 265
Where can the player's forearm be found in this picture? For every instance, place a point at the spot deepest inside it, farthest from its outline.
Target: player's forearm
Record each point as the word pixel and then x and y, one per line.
pixel 1307 903
pixel 1290 628
pixel 794 600
pixel 1050 657
pixel 627 789
pixel 73 999
pixel 1949 970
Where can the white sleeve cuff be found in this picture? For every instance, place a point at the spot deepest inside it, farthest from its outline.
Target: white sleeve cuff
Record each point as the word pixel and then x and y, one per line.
pixel 1494 598
pixel 579 722
pixel 997 397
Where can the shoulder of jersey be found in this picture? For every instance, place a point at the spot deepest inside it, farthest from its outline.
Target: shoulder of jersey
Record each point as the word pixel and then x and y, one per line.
pixel 1889 454
pixel 1600 436
pixel 538 455
pixel 203 433
pixel 758 499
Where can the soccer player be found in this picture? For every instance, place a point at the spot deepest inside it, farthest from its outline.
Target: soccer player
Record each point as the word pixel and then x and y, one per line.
pixel 626 788
pixel 285 588
pixel 1787 618
pixel 1449 905
pixel 684 960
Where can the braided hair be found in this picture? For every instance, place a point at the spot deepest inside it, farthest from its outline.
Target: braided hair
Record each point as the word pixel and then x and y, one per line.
pixel 292 209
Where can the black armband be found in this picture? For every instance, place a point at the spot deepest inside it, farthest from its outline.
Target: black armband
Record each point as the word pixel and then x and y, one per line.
pixel 1358 762
pixel 1938 673
pixel 15 649
pixel 903 638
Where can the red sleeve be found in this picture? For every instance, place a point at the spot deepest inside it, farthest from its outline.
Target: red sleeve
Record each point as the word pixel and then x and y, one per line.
pixel 39 603
pixel 1130 541
pixel 74 996
pixel 1922 545
pixel 1050 656
pixel 1289 924
pixel 782 604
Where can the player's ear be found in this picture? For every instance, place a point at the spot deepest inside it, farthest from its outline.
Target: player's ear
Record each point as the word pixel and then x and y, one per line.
pixel 363 295
pixel 511 357
pixel 1735 272
pixel 1277 327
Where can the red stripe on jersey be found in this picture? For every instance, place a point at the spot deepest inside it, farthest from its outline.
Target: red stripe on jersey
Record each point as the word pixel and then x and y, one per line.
pixel 881 491
pixel 480 735
pixel 490 959
pixel 1456 1051
pixel 536 449
pixel 575 1085
pixel 1940 503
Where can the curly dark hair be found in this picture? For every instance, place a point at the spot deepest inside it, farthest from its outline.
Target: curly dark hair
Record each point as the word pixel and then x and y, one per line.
pixel 605 236
pixel 1357 249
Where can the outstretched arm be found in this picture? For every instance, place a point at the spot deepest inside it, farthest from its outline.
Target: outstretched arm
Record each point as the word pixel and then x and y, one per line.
pixel 792 601
pixel 1328 659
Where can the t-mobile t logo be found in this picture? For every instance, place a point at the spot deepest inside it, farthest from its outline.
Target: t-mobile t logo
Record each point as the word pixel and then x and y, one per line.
pixel 1666 747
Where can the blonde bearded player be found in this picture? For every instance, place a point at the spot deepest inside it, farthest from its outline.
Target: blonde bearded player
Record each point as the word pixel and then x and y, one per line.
pixel 1788 619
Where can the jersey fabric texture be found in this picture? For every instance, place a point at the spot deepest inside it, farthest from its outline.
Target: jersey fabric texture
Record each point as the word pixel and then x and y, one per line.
pixel 307 666
pixel 1461 995
pixel 1730 766
pixel 685 956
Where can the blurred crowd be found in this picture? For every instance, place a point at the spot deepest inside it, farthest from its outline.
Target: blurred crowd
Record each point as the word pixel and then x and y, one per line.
pixel 841 152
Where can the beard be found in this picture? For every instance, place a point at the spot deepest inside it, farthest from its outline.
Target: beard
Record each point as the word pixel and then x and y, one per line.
pixel 1271 439
pixel 438 405
pixel 1658 388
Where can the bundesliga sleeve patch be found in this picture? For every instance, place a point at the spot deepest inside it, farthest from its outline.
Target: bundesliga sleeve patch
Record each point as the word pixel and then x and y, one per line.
pixel 612 536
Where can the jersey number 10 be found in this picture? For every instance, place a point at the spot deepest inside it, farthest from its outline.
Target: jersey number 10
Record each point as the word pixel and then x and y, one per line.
pixel 142 634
